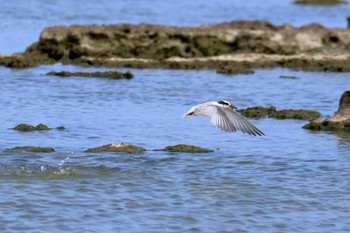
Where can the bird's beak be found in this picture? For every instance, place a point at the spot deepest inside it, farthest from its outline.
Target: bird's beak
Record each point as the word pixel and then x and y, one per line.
pixel 187 114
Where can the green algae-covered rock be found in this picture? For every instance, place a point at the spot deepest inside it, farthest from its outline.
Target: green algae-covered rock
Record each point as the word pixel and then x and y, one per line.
pixel 34 149
pixel 319 125
pixel 127 148
pixel 30 128
pixel 257 112
pixel 185 149
pixel 299 114
pixel 271 112
pixel 61 128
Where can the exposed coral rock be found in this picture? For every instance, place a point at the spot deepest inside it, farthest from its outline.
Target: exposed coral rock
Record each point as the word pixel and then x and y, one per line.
pixel 185 149
pixel 339 121
pixel 128 148
pixel 225 46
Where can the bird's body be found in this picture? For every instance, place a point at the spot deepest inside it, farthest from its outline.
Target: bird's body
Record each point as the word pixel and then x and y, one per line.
pixel 224 116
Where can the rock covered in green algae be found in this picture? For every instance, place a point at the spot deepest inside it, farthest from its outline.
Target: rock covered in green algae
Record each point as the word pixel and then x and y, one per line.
pixel 127 148
pixel 61 128
pixel 34 149
pixel 40 127
pixel 339 121
pixel 256 112
pixel 20 61
pixel 185 149
pixel 30 128
pixel 271 112
pixel 298 114
pixel 106 74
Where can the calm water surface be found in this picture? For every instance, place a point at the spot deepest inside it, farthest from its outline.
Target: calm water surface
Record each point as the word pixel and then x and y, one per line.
pixel 292 180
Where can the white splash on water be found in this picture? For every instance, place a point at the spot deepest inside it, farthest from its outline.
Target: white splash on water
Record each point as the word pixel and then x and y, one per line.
pixel 61 170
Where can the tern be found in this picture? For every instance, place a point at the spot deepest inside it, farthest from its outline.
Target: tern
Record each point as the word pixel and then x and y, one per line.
pixel 224 116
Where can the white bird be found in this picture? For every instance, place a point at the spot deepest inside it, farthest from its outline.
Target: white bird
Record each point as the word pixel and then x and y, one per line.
pixel 224 116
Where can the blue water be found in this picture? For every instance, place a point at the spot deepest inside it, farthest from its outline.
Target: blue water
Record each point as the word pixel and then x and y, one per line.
pixel 291 180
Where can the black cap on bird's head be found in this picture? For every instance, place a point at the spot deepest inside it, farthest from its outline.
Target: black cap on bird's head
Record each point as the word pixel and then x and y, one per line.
pixel 226 103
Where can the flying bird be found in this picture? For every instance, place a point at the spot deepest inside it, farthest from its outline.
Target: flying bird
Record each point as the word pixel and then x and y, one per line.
pixel 224 116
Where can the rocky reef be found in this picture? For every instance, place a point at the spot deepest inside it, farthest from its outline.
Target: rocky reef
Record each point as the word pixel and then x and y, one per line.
pixel 36 149
pixel 231 47
pixel 271 112
pixel 123 147
pixel 339 121
pixel 185 149
pixel 30 128
pixel 106 74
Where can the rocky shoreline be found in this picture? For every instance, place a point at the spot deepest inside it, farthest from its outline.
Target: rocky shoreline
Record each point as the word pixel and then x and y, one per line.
pixel 232 47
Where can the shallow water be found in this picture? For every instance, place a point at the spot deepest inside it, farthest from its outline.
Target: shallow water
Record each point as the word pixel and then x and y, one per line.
pixel 288 181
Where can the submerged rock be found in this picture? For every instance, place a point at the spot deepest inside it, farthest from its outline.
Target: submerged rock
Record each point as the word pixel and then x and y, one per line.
pixel 128 148
pixel 339 121
pixel 34 149
pixel 289 77
pixel 271 112
pixel 229 69
pixel 320 2
pixel 185 149
pixel 30 128
pixel 106 74
pixel 61 128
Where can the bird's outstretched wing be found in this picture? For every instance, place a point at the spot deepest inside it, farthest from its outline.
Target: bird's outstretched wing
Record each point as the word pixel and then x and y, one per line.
pixel 240 123
pixel 217 117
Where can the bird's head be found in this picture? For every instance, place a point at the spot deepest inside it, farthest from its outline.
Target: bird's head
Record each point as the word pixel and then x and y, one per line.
pixel 190 113
pixel 225 103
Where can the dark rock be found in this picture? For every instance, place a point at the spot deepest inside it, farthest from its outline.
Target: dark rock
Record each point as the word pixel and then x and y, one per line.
pixel 61 128
pixel 30 128
pixel 127 148
pixel 185 149
pixel 20 61
pixel 288 77
pixel 320 2
pixel 36 149
pixel 339 121
pixel 107 74
pixel 228 70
